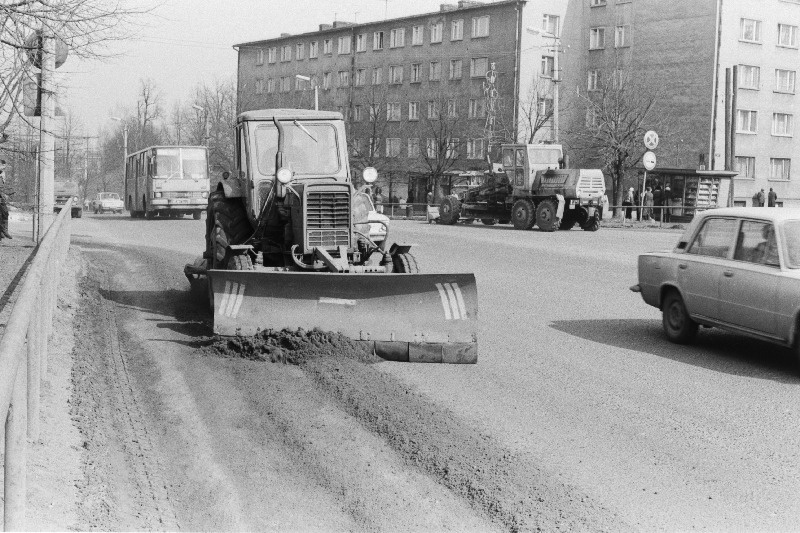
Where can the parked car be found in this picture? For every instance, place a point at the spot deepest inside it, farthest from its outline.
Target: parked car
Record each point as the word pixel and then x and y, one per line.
pixel 734 268
pixel 107 202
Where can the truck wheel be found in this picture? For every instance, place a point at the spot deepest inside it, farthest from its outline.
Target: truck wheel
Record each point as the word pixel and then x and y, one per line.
pixel 405 263
pixel 678 325
pixel 523 214
pixel 150 215
pixel 488 221
pixel 196 215
pixel 567 223
pixel 449 210
pixel 593 224
pixel 227 224
pixel 546 217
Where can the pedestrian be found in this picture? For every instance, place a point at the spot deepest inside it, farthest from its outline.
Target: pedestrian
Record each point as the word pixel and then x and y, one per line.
pixel 647 211
pixel 379 201
pixel 658 200
pixel 637 204
pixel 665 201
pixel 761 197
pixel 430 198
pixel 772 197
pixel 4 192
pixel 627 203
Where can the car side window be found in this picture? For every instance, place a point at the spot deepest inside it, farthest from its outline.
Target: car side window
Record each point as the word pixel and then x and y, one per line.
pixel 756 243
pixel 715 238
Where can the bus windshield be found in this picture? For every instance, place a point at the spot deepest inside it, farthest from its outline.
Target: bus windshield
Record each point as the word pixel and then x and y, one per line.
pixel 194 163
pixel 180 163
pixel 310 149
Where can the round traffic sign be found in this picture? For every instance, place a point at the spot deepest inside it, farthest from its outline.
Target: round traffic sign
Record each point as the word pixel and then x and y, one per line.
pixel 649 160
pixel 34 48
pixel 651 140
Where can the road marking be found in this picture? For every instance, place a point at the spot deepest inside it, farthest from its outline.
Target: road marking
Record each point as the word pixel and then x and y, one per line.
pixel 336 301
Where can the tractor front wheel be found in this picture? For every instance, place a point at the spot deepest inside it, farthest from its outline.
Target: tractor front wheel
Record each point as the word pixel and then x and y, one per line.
pixel 522 214
pixel 546 217
pixel 449 210
pixel 593 224
pixel 405 263
pixel 226 224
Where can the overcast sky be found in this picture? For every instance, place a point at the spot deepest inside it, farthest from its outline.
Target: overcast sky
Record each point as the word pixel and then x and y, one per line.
pixel 183 42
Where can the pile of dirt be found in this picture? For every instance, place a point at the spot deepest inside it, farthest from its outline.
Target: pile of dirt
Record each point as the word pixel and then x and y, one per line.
pixel 294 347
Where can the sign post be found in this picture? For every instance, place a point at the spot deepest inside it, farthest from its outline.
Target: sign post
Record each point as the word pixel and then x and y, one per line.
pixel 649 162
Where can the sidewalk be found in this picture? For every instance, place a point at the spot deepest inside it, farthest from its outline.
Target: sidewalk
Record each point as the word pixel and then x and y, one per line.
pixel 15 255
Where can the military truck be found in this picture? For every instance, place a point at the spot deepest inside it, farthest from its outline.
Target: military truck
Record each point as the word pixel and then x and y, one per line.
pixel 532 190
pixel 63 191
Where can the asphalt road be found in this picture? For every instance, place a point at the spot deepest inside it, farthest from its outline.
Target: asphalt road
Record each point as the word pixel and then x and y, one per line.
pixel 574 374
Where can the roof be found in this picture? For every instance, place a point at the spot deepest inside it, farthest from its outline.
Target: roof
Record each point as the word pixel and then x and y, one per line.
pixel 351 26
pixel 775 214
pixel 694 172
pixel 289 114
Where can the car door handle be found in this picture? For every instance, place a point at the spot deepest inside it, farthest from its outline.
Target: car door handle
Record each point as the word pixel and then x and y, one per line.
pixel 683 266
pixel 727 273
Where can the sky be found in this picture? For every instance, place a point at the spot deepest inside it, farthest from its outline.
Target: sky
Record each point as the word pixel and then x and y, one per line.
pixel 181 43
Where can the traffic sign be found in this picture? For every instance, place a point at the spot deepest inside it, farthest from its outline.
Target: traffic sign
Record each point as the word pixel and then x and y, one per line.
pixel 649 160
pixel 651 140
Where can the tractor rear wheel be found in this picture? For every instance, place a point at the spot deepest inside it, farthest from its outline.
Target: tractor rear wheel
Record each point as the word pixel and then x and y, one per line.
pixel 546 217
pixel 449 210
pixel 405 263
pixel 523 214
pixel 226 224
pixel 488 221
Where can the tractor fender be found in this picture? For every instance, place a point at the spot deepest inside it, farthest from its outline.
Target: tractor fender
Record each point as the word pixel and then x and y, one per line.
pixel 242 249
pixel 399 248
pixel 232 187
pixel 560 210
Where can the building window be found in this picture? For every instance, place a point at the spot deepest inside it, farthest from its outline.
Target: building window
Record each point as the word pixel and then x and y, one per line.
pixel 478 67
pixel 286 53
pixel 749 77
pixel 413 111
pixel 457 30
pixel 326 80
pixel 392 147
pixel 436 32
pixel 396 74
pixel 746 167
pixel 413 148
pixel 591 118
pixel 746 121
pixel 435 73
pixel 299 84
pixel 452 109
pixel 622 36
pixel 544 106
pixel 477 108
pixel 272 55
pixel 299 51
pixel 361 76
pixel 480 26
pixel 779 168
pixel 327 46
pixel 358 113
pixel 286 84
pixel 750 30
pixel 259 86
pixel 551 24
pixel 594 80
pixel 376 76
pixel 313 50
pixel 787 35
pixel 374 146
pixel 260 57
pixel 785 80
pixel 361 42
pixel 431 148
pixel 344 78
pixel 476 149
pixel 345 42
pixel 433 110
pixel 270 85
pixel 377 40
pixel 452 148
pixel 455 69
pixel 416 72
pixel 373 112
pixel 397 38
pixel 782 124
pixel 548 66
pixel 597 38
pixel 595 3
pixel 416 35
pixel 393 111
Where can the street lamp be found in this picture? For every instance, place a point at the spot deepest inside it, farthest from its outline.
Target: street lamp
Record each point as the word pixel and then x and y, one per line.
pixel 205 120
pixel 124 138
pixel 556 80
pixel 316 89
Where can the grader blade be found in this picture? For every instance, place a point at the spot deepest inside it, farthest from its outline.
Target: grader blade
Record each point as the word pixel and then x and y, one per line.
pixel 407 317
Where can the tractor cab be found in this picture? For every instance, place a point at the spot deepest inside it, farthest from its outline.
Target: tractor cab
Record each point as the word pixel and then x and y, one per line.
pixel 522 161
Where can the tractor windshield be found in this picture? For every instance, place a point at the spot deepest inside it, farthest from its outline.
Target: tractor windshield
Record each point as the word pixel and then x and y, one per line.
pixel 309 149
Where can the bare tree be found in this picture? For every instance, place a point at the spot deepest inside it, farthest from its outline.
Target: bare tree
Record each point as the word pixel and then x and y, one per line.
pixel 148 111
pixel 213 125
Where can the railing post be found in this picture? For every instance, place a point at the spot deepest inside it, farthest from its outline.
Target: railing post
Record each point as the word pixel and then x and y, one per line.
pixel 34 378
pixel 15 482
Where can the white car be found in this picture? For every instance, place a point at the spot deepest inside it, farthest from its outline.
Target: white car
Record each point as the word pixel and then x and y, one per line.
pixel 107 201
pixel 378 222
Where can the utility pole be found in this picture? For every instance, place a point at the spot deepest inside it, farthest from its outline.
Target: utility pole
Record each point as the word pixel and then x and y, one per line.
pixel 46 139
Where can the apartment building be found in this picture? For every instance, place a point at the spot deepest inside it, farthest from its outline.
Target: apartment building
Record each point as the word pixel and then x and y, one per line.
pixel 403 84
pixel 685 47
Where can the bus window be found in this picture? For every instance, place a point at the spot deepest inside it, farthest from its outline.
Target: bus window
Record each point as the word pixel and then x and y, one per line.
pixel 167 163
pixel 194 163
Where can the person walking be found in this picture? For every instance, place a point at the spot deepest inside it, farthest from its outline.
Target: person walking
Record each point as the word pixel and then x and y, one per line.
pixel 761 197
pixel 658 199
pixel 637 205
pixel 647 211
pixel 627 203
pixel 665 201
pixel 772 198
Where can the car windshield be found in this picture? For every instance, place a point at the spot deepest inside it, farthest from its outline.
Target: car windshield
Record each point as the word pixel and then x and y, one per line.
pixel 791 235
pixel 109 196
pixel 308 148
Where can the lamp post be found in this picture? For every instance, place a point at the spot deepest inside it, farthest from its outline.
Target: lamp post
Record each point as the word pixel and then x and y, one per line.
pixel 556 80
pixel 316 89
pixel 205 120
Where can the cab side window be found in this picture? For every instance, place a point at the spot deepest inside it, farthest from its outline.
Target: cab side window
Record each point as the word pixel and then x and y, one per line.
pixel 715 238
pixel 756 243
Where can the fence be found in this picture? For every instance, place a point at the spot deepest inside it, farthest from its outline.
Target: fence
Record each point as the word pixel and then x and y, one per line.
pixel 23 360
pixel 408 211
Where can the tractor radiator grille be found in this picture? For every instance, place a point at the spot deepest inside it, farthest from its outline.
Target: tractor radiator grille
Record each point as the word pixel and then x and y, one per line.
pixel 328 219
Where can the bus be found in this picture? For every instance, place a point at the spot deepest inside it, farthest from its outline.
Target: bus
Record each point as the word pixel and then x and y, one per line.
pixel 167 181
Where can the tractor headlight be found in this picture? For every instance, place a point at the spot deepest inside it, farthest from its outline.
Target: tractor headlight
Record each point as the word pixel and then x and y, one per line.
pixel 205 194
pixel 284 175
pixel 370 174
pixel 156 195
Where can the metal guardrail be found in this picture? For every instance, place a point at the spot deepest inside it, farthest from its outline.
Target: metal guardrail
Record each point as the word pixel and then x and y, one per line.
pixel 23 360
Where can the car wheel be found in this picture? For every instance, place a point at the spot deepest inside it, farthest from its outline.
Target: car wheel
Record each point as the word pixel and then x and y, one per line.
pixel 678 325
